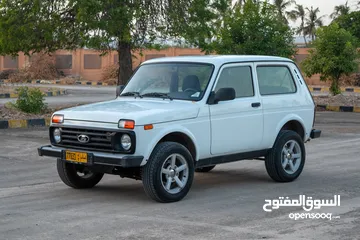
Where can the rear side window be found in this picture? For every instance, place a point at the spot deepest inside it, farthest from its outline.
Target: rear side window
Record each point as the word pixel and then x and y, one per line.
pixel 275 80
pixel 239 78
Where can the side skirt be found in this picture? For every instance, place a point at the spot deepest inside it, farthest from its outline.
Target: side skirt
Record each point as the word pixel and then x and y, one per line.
pixel 231 158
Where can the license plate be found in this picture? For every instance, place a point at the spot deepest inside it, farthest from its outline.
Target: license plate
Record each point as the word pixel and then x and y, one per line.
pixel 78 157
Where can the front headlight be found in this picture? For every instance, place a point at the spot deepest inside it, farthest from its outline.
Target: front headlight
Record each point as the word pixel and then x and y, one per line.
pixel 126 142
pixel 57 135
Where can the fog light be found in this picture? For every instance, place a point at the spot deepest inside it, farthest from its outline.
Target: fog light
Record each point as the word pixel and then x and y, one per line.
pixel 126 142
pixel 57 135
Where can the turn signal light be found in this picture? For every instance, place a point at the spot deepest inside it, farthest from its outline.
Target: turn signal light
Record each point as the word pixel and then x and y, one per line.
pixel 57 118
pixel 148 127
pixel 128 124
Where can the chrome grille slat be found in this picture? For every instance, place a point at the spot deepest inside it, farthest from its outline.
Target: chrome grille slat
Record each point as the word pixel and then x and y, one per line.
pixel 84 132
pixel 87 144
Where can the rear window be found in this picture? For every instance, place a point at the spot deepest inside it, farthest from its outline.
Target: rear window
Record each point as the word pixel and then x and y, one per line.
pixel 275 80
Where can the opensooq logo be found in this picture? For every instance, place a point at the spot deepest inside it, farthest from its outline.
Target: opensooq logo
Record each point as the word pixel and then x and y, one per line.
pixel 307 203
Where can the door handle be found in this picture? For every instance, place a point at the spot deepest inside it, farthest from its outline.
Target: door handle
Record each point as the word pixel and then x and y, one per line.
pixel 256 105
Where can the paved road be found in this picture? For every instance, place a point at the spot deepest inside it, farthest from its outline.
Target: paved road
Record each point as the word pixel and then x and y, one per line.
pixel 223 204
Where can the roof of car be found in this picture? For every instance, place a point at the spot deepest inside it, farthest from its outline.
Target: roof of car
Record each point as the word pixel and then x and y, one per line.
pixel 218 59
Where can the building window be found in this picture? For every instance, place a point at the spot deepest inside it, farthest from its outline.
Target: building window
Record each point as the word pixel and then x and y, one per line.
pixel 63 61
pixel 92 61
pixel 11 62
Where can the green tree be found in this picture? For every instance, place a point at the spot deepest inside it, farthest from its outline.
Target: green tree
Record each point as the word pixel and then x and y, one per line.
pixel 334 55
pixel 341 10
pixel 312 22
pixel 299 13
pixel 350 22
pixel 127 25
pixel 252 29
pixel 281 6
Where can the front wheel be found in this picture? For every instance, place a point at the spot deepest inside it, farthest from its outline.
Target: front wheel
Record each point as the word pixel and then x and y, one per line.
pixel 286 159
pixel 77 176
pixel 168 175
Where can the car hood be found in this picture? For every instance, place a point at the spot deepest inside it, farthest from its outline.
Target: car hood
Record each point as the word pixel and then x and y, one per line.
pixel 142 111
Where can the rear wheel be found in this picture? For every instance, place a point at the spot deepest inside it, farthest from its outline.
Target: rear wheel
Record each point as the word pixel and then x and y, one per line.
pixel 205 169
pixel 286 159
pixel 77 176
pixel 169 173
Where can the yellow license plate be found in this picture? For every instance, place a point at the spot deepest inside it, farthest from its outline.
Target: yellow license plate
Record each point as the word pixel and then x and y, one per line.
pixel 76 157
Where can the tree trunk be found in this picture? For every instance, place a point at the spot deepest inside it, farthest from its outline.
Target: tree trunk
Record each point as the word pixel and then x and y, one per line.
pixel 125 62
pixel 305 40
pixel 334 88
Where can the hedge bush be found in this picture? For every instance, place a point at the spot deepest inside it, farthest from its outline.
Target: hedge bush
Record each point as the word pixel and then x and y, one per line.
pixel 30 100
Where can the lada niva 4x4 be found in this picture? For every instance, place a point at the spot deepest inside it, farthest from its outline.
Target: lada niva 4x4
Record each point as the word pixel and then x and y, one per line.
pixel 181 115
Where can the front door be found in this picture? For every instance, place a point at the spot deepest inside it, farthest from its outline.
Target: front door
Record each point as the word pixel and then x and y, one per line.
pixel 237 125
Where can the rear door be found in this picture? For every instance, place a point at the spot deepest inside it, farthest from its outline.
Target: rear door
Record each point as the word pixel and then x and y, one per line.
pixel 280 96
pixel 237 125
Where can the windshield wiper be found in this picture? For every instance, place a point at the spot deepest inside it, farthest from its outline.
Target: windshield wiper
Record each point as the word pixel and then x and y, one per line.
pixel 157 94
pixel 135 94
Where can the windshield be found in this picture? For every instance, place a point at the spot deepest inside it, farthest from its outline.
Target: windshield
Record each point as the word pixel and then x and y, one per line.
pixel 185 81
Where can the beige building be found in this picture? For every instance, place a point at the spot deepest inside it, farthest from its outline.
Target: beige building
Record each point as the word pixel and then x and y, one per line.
pixel 89 65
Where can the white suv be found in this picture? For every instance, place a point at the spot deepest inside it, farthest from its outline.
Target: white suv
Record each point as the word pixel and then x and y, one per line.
pixel 184 114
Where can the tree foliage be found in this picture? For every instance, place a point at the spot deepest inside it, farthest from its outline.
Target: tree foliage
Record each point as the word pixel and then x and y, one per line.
pixel 341 10
pixel 350 22
pixel 251 28
pixel 299 13
pixel 126 25
pixel 281 6
pixel 334 55
pixel 312 22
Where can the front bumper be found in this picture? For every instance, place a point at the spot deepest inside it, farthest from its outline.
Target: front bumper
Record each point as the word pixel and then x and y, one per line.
pixel 95 158
pixel 315 133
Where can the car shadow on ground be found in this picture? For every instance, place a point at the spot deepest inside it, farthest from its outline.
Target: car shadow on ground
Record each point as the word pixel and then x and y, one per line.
pixel 126 189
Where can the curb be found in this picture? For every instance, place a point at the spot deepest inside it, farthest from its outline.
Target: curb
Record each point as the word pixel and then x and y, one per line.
pixel 90 83
pixel 339 108
pixel 327 89
pixel 47 94
pixel 27 123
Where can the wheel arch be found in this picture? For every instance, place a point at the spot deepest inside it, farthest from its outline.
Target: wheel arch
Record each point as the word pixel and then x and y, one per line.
pixel 180 135
pixel 294 123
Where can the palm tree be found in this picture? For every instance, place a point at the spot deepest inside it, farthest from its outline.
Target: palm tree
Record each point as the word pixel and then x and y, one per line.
pixel 341 10
pixel 312 22
pixel 281 6
pixel 299 13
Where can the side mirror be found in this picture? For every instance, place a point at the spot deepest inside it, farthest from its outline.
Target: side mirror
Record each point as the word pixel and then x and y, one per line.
pixel 119 89
pixel 224 94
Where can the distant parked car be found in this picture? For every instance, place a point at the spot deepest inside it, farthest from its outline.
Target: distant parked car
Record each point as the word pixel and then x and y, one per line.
pixel 185 114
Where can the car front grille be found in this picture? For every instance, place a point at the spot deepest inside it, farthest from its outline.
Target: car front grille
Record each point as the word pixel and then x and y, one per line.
pixel 98 139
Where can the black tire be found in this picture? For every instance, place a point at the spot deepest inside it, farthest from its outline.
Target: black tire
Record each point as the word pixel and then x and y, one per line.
pixel 68 173
pixel 151 173
pixel 205 169
pixel 273 161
